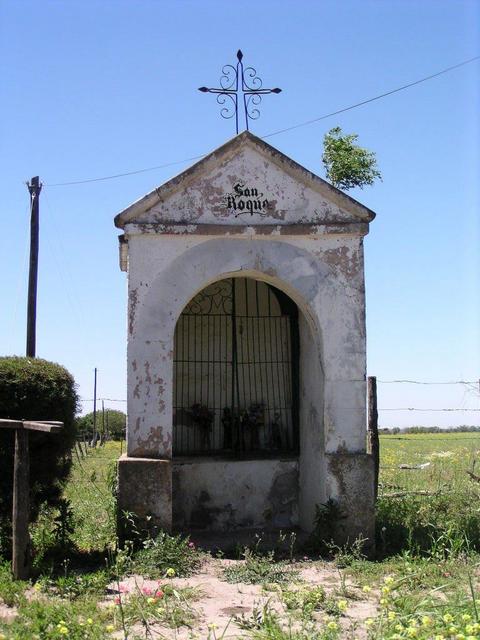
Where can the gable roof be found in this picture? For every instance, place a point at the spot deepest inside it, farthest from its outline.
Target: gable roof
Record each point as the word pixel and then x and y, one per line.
pixel 357 210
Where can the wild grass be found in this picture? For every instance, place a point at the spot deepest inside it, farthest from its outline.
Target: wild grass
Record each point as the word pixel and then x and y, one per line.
pixel 426 585
pixel 90 492
pixel 428 502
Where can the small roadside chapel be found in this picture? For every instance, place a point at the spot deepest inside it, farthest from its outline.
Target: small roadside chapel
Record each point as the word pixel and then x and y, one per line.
pixel 246 348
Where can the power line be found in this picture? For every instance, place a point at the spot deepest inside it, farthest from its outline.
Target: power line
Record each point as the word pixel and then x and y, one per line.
pixel 381 95
pixel 385 409
pixel 128 173
pixel 425 382
pixel 274 133
pixel 104 399
pixel 414 409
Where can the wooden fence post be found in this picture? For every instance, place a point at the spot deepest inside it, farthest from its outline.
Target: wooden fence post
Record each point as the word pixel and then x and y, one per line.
pixel 373 441
pixel 21 507
pixel 21 489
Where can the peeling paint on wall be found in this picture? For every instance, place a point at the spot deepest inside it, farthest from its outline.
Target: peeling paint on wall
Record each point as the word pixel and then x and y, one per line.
pixel 307 243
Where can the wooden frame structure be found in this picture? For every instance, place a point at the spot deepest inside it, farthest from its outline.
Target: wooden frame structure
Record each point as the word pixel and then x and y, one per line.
pixel 21 490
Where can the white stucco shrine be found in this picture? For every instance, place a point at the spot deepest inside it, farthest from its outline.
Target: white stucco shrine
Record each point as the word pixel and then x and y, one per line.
pixel 246 354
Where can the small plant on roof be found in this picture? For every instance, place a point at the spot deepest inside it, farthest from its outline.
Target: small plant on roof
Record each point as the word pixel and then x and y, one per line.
pixel 348 165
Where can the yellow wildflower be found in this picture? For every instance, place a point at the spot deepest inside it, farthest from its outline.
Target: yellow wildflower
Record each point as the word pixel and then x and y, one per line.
pixel 366 589
pixel 109 628
pixel 439 637
pixel 391 615
pixel 459 636
pixel 399 627
pixel 89 621
pixel 389 580
pixel 342 605
pixel 369 622
pixel 412 632
pixel 448 617
pixel 384 602
pixel 170 572
pixel 426 621
pixel 150 600
pixel 470 628
pixel 466 617
pixel 212 626
pixel 386 590
pixel 62 629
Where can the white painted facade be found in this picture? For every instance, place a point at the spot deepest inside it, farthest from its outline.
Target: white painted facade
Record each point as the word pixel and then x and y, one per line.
pixel 305 238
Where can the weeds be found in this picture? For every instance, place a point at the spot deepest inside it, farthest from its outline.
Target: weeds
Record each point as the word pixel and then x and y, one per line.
pixel 259 569
pixel 266 624
pixel 74 586
pixel 166 555
pixel 165 605
pixel 11 591
pixel 327 517
pixel 57 619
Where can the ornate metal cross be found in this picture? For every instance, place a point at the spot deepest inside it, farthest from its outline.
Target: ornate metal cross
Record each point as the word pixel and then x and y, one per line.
pixel 239 83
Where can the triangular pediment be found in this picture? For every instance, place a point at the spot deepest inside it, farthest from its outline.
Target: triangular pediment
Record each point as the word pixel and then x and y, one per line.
pixel 245 181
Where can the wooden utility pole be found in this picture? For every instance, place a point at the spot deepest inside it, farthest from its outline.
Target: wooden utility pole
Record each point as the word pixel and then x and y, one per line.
pixel 21 490
pixel 373 441
pixel 94 439
pixel 34 188
pixel 102 437
pixel 21 463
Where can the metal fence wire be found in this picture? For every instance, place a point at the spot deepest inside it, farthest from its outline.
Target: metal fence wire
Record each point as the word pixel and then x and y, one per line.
pixel 236 360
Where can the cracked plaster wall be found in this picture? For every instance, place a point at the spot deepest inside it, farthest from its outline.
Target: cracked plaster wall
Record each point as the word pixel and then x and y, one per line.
pixel 323 275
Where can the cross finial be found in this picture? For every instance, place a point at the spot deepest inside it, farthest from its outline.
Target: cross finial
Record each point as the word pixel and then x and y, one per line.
pixel 239 83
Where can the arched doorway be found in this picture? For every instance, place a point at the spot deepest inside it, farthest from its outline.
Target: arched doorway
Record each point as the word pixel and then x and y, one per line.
pixel 236 408
pixel 236 372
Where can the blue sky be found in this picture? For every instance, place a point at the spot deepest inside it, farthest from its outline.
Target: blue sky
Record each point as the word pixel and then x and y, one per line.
pixel 91 89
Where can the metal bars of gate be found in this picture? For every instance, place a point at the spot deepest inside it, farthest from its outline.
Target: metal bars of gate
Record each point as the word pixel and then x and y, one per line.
pixel 236 372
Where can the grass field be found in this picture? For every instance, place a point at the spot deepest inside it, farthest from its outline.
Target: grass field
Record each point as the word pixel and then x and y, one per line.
pixel 424 585
pixel 448 455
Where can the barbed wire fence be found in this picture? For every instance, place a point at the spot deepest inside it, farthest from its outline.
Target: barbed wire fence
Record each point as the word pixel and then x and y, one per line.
pixel 95 481
pixel 84 445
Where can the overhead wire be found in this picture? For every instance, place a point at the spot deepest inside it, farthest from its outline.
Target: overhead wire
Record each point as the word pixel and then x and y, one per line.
pixel 381 95
pixel 277 132
pixel 427 382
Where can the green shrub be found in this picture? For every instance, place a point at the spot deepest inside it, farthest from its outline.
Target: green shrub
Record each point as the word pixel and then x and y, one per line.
pixel 35 389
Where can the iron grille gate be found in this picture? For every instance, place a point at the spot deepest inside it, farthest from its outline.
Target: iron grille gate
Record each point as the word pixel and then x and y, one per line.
pixel 236 371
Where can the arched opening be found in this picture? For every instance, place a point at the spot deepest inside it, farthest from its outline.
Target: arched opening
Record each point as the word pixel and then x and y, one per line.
pixel 236 372
pixel 247 410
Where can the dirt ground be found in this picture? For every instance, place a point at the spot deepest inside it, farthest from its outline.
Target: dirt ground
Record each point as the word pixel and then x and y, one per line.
pixel 219 601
